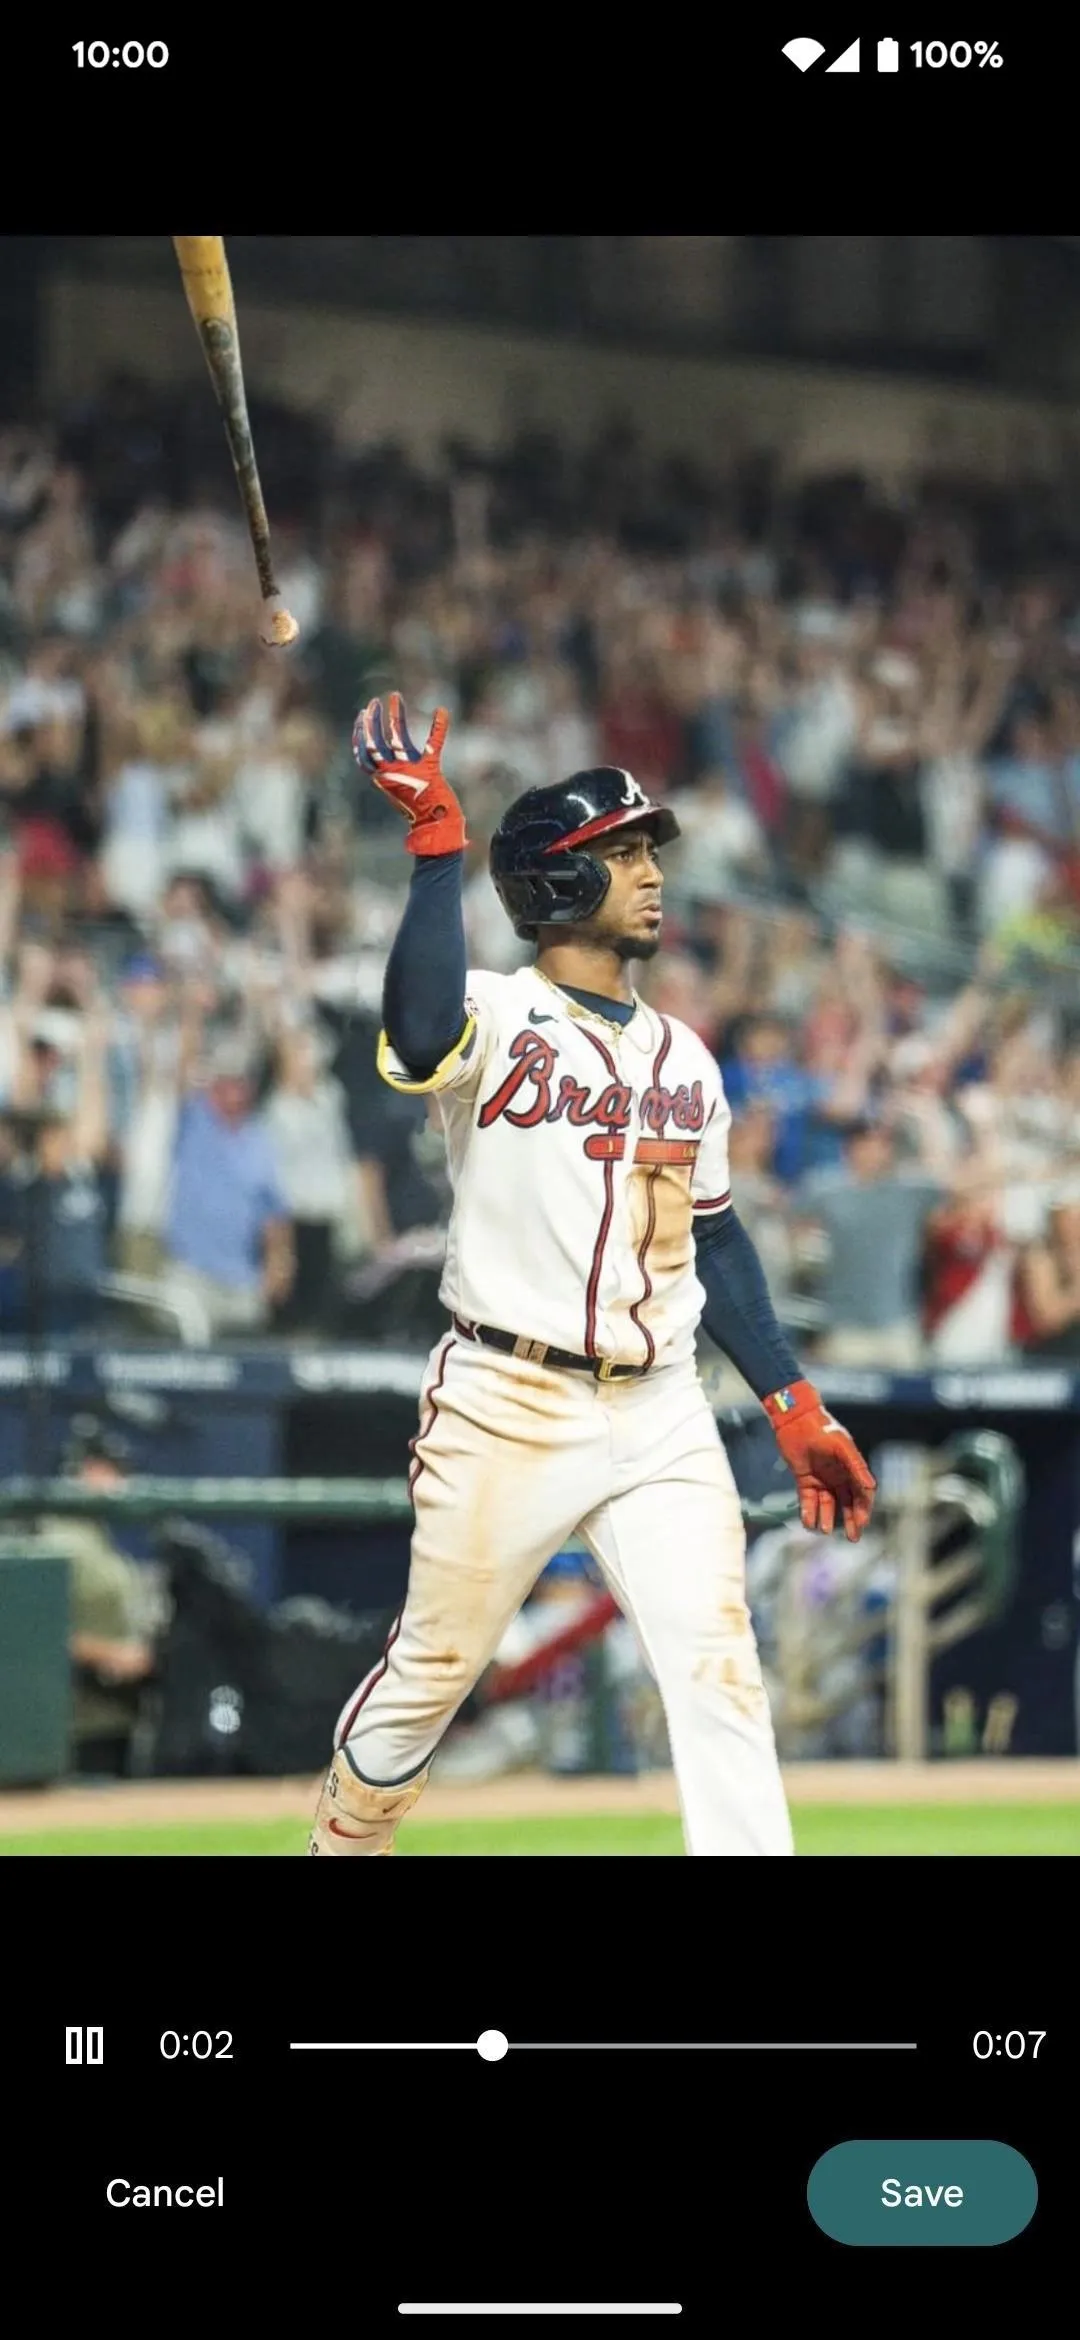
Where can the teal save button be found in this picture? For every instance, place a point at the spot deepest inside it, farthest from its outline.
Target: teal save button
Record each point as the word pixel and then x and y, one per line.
pixel 874 2191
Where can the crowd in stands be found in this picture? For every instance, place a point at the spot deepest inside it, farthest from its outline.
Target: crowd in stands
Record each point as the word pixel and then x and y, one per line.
pixel 865 708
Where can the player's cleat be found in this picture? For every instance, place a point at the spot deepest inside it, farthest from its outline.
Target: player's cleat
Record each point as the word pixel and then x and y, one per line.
pixel 355 1817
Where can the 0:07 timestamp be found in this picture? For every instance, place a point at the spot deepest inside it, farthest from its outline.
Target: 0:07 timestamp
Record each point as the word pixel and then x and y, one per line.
pixel 1015 2044
pixel 98 53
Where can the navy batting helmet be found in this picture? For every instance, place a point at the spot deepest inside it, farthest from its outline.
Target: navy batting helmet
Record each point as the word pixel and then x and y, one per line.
pixel 542 870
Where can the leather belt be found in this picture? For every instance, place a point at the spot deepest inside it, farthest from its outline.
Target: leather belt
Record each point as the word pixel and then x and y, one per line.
pixel 542 1353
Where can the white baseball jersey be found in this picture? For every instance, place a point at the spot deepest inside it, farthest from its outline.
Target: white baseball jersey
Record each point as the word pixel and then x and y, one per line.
pixel 580 1154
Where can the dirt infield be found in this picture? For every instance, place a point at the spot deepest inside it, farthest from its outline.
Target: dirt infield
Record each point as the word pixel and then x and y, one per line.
pixel 532 1794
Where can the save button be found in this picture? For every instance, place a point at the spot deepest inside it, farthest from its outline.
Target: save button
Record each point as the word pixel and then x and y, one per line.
pixel 900 2191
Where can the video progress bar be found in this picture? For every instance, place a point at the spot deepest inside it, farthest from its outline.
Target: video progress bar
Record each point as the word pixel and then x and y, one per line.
pixel 539 2307
pixel 664 2047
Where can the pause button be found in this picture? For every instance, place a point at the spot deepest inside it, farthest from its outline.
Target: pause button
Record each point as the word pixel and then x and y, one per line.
pixel 84 2045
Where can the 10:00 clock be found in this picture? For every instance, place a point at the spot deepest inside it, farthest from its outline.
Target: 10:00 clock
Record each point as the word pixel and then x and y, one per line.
pixel 133 53
pixel 199 2044
pixel 1015 2044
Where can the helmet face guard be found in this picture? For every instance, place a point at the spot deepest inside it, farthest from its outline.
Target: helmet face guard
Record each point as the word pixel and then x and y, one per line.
pixel 559 892
pixel 540 865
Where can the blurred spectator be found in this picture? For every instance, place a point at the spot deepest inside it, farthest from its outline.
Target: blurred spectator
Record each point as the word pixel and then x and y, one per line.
pixel 54 1205
pixel 883 861
pixel 113 1611
pixel 764 1070
pixel 722 839
pixel 874 1220
pixel 807 1105
pixel 1034 804
pixel 927 1125
pixel 228 1239
pixel 47 775
pixel 1013 1114
pixel 761 1202
pixel 306 1121
pixel 393 1192
pixel 969 1310
pixel 144 761
pixel 964 702
pixel 640 730
pixel 816 729
pixel 1049 1284
pixel 146 1067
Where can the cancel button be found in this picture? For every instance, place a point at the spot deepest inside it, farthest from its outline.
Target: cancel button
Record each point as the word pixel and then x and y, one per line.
pixel 134 2194
pixel 900 2191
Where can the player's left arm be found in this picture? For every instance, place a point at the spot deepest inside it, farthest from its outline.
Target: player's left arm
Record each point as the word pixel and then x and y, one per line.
pixel 738 1314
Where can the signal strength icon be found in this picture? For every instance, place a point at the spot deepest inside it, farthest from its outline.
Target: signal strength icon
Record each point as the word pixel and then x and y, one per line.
pixel 805 53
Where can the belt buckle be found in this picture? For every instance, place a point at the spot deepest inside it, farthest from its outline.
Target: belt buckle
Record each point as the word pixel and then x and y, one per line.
pixel 533 1352
pixel 609 1370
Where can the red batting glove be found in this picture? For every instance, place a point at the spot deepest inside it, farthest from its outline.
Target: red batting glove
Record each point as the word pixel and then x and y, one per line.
pixel 827 1466
pixel 410 776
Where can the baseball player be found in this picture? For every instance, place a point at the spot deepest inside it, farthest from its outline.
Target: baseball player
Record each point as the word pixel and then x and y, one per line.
pixel 592 1229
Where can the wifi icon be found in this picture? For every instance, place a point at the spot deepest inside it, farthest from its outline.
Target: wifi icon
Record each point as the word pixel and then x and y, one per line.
pixel 803 53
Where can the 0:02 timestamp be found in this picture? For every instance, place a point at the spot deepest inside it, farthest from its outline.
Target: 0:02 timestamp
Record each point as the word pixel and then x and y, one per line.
pixel 200 2044
pixel 1014 2043
pixel 98 53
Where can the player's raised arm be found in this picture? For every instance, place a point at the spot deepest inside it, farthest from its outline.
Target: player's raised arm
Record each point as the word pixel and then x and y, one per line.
pixel 425 1020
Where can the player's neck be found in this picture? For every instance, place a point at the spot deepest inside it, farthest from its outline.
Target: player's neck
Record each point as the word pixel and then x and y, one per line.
pixel 576 967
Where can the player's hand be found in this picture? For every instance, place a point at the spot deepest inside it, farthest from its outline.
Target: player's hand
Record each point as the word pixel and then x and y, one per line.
pixel 411 777
pixel 829 1472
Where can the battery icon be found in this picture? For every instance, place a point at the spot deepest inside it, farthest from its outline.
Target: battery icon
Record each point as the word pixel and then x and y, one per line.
pixel 888 57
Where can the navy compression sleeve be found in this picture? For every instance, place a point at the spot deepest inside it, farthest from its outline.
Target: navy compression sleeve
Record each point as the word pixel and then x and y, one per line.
pixel 738 1313
pixel 424 984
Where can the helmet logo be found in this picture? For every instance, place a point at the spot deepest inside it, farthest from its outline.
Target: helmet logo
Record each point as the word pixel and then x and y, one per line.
pixel 633 793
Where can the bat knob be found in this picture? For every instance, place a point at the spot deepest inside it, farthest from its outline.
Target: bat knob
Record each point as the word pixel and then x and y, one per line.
pixel 279 627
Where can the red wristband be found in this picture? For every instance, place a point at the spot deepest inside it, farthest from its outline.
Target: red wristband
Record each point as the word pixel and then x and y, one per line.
pixel 786 1405
pixel 443 831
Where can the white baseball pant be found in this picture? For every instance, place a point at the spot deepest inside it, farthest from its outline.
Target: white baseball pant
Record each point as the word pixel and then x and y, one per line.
pixel 510 1461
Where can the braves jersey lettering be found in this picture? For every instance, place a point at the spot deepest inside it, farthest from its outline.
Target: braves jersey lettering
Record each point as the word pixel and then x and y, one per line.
pixel 535 1061
pixel 685 1108
pixel 578 1155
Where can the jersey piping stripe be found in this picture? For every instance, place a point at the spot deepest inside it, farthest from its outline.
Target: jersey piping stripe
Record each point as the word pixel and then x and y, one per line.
pixel 593 1285
pixel 417 1465
pixel 650 1228
pixel 650 1222
pixel 425 1427
pixel 716 1203
pixel 376 1675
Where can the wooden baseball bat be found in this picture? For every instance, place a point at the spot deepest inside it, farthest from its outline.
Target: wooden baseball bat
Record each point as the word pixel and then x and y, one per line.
pixel 207 283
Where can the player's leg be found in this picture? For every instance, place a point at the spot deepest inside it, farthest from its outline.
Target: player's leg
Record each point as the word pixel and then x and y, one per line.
pixel 672 1546
pixel 504 1456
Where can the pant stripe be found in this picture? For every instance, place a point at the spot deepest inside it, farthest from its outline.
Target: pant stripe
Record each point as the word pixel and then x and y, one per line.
pixel 416 1448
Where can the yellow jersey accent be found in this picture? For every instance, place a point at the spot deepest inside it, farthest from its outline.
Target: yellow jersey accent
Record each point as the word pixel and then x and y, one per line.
pixel 442 1072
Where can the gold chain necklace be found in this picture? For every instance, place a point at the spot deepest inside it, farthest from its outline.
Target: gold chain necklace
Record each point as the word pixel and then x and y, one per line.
pixel 584 1015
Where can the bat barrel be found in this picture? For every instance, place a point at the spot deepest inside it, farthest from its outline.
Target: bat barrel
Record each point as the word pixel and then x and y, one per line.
pixel 208 288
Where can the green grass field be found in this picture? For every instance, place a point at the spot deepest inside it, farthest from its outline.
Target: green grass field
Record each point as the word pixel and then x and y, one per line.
pixel 942 1830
